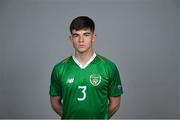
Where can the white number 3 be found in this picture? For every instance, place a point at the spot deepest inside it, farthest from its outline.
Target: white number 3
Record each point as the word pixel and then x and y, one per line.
pixel 84 93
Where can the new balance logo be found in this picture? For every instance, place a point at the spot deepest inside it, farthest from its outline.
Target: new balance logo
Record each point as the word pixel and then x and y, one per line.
pixel 70 80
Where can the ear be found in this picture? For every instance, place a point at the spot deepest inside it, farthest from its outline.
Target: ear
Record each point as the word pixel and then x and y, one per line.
pixel 70 39
pixel 94 37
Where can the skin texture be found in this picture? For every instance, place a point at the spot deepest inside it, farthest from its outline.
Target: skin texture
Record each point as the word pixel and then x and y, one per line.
pixel 56 104
pixel 114 104
pixel 82 41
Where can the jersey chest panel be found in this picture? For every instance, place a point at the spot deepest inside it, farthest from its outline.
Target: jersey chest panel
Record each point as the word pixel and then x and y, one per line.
pixel 87 89
pixel 95 77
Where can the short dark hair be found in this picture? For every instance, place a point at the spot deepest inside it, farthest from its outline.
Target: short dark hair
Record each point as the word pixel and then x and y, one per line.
pixel 82 22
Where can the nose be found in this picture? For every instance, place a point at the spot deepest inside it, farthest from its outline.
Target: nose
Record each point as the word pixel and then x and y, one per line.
pixel 81 39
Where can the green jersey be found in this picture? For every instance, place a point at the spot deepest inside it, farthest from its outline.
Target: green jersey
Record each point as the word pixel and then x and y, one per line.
pixel 85 91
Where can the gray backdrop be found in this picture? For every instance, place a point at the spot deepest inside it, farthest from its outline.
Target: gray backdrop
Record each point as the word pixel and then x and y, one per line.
pixel 140 36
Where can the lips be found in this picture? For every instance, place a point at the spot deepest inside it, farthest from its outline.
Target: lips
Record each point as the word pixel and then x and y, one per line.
pixel 81 46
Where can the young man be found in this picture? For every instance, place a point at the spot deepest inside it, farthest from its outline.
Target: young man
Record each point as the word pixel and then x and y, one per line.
pixel 86 85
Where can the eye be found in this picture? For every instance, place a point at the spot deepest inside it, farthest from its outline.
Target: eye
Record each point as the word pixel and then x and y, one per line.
pixel 75 35
pixel 87 34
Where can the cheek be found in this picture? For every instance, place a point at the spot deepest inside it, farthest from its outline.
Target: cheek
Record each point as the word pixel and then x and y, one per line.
pixel 89 40
pixel 74 43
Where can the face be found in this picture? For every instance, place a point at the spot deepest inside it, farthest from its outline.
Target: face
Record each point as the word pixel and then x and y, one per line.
pixel 82 40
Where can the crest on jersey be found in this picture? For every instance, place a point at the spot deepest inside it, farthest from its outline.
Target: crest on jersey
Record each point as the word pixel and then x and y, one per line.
pixel 95 79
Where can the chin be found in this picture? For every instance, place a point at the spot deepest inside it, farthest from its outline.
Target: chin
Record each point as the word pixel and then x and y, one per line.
pixel 82 50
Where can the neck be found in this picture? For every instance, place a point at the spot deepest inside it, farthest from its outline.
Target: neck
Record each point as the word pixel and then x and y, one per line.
pixel 83 58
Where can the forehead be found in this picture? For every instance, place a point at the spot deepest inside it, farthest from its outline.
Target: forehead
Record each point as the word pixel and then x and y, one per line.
pixel 87 30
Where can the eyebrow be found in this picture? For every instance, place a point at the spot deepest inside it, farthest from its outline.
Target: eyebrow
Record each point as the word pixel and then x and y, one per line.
pixel 74 34
pixel 86 33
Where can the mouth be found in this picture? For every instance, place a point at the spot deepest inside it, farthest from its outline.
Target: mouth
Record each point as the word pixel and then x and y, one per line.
pixel 81 46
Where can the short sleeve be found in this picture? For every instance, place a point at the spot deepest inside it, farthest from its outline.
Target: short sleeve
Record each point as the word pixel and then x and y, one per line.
pixel 55 83
pixel 115 86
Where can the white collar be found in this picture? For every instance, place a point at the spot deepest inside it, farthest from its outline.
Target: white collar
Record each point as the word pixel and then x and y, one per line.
pixel 84 66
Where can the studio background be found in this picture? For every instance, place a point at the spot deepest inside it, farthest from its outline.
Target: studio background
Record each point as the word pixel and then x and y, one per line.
pixel 140 36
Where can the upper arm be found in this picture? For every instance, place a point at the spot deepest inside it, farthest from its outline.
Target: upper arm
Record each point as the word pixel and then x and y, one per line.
pixel 114 104
pixel 115 87
pixel 55 86
pixel 115 101
pixel 56 104
pixel 55 100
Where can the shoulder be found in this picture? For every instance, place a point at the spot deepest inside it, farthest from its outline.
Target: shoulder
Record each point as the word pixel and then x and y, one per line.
pixel 109 66
pixel 62 63
pixel 105 61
